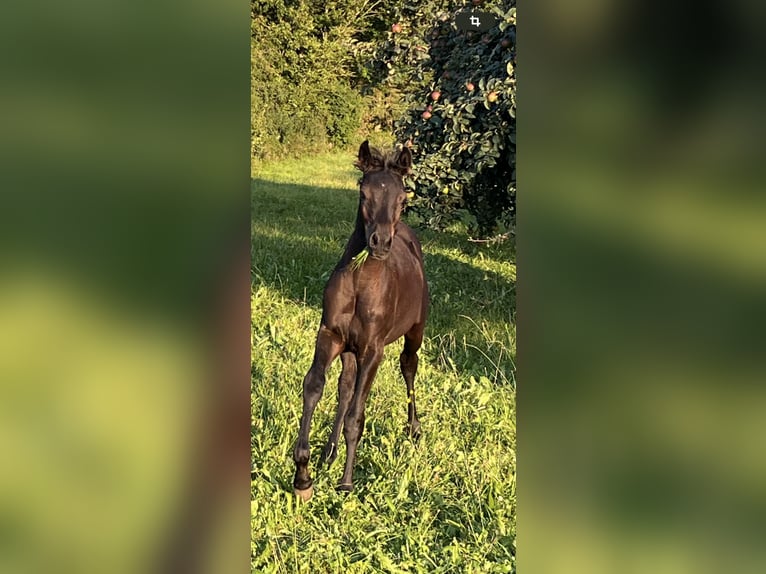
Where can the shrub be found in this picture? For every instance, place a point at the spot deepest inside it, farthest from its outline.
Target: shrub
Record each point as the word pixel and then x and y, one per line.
pixel 302 96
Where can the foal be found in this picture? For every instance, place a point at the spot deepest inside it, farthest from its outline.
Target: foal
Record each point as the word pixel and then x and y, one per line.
pixel 365 308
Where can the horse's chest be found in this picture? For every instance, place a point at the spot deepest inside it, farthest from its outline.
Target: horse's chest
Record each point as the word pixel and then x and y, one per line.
pixel 374 312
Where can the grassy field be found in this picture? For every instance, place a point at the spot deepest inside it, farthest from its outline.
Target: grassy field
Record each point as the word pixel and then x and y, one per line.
pixel 445 504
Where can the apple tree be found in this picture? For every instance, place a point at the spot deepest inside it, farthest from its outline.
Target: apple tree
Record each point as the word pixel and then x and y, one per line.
pixel 460 122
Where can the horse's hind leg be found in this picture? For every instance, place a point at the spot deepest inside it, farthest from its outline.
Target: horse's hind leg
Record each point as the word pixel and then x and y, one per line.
pixel 346 383
pixel 328 346
pixel 408 361
pixel 353 424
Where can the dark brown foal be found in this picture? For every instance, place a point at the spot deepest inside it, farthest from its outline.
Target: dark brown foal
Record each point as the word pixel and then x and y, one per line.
pixel 365 308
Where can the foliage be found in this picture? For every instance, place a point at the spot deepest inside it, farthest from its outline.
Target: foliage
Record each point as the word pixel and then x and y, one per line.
pixel 447 504
pixel 302 97
pixel 335 73
pixel 464 139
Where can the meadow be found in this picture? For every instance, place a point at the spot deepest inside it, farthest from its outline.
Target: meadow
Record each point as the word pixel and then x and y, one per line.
pixel 444 504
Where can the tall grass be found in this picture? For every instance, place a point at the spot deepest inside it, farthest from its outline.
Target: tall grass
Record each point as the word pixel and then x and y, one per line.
pixel 445 504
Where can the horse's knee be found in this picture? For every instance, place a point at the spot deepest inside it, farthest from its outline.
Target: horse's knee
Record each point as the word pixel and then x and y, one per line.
pixel 347 379
pixel 408 361
pixel 348 373
pixel 313 383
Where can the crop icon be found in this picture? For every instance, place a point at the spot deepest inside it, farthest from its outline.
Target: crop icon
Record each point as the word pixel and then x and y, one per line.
pixel 475 21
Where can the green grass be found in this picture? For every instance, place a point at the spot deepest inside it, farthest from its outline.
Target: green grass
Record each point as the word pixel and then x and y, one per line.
pixel 446 504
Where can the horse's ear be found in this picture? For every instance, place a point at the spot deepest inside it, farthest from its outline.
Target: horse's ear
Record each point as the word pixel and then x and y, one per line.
pixel 403 162
pixel 364 160
pixel 364 157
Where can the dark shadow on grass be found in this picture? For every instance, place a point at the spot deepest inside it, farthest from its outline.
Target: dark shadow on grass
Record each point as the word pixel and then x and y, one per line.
pixel 297 267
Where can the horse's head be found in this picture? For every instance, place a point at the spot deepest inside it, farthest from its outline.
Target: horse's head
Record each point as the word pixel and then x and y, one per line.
pixel 381 195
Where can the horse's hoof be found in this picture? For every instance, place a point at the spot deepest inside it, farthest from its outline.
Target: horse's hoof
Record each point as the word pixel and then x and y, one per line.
pixel 304 494
pixel 413 431
pixel 345 488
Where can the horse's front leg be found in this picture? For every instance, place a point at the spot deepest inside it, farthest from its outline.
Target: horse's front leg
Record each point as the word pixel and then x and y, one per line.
pixel 328 346
pixel 346 383
pixel 408 361
pixel 353 425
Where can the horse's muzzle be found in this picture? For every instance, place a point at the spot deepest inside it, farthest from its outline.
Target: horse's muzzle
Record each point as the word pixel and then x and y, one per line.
pixel 380 255
pixel 380 244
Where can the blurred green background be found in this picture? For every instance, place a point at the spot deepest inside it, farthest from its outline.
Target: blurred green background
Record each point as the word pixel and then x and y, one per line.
pixel 642 288
pixel 123 185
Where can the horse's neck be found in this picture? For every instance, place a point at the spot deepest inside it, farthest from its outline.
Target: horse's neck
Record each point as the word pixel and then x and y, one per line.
pixel 358 239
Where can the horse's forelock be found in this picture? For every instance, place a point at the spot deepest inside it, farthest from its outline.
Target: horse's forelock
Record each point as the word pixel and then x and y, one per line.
pixel 380 161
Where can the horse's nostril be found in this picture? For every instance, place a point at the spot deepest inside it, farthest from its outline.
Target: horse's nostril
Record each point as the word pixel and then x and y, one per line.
pixel 389 241
pixel 374 239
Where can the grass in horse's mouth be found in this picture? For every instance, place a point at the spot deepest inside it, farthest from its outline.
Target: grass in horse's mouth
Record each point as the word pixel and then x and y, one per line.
pixel 361 257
